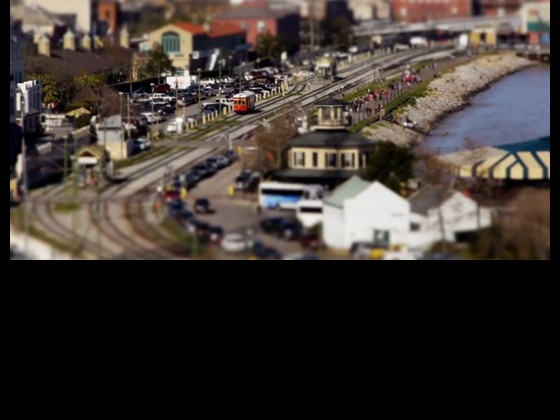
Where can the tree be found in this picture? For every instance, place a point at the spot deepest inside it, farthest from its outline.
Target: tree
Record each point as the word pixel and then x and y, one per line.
pixel 391 165
pixel 524 233
pixel 272 139
pixel 269 45
pixel 55 87
pixel 158 61
pixel 90 88
pixel 337 31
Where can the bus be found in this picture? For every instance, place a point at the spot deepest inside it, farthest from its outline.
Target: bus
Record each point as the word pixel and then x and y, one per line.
pixel 309 212
pixel 244 102
pixel 279 195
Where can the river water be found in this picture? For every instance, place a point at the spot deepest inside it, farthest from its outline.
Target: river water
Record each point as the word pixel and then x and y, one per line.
pixel 515 109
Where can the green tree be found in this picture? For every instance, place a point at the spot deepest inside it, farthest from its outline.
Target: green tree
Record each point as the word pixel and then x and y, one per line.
pixel 158 61
pixel 337 32
pixel 55 87
pixel 90 88
pixel 269 45
pixel 391 165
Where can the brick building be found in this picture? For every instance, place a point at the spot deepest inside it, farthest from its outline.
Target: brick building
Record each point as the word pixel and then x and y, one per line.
pixel 257 18
pixel 408 11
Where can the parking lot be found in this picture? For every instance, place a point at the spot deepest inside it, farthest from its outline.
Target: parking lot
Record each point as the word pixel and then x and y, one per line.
pixel 237 214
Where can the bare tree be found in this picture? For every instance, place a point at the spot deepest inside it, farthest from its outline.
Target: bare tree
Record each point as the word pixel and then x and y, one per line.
pixel 525 233
pixel 272 138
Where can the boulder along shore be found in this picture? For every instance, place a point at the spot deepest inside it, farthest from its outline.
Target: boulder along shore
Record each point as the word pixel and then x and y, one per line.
pixel 447 94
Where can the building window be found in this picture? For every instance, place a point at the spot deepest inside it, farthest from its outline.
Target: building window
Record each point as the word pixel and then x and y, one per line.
pixel 347 160
pixel 261 26
pixel 299 159
pixel 403 12
pixel 315 159
pixel 243 25
pixel 171 43
pixel 330 160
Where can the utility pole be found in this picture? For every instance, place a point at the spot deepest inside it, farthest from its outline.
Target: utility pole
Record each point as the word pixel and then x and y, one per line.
pixel 220 78
pixel 122 127
pixel 128 115
pixel 65 173
pixel 75 194
pixel 24 176
pixel 199 70
pixel 152 115
pixel 240 78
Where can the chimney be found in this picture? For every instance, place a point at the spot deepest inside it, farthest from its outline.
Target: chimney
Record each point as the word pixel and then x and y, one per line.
pixel 45 46
pixel 125 38
pixel 86 42
pixel 69 41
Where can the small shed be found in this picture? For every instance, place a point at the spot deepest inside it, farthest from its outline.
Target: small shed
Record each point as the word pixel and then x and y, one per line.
pixel 94 164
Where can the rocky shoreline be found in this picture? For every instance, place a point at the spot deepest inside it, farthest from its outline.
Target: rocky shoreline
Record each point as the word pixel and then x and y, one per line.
pixel 446 95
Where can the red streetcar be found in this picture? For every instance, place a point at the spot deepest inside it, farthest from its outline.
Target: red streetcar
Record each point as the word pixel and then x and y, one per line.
pixel 244 102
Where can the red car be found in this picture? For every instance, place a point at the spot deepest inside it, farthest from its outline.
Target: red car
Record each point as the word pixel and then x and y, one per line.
pixel 171 195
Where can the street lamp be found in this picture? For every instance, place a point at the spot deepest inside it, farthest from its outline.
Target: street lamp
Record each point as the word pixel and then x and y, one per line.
pixel 229 65
pixel 220 64
pixel 122 125
pixel 199 70
pixel 152 114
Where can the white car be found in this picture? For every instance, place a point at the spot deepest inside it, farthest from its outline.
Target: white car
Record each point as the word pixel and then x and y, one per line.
pixel 171 128
pixel 146 142
pixel 234 243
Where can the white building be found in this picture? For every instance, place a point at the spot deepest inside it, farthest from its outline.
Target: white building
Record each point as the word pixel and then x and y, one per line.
pixel 31 91
pixel 81 8
pixel 437 213
pixel 359 210
pixel 370 9
pixel 16 77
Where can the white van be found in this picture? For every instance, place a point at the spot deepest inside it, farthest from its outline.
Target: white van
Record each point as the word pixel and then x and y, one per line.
pixel 309 212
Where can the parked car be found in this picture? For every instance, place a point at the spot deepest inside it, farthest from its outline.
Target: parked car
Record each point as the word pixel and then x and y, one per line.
pixel 231 155
pixel 263 252
pixel 203 206
pixel 200 229
pixel 242 179
pixel 299 256
pixel 174 207
pixel 270 225
pixel 289 230
pixel 138 146
pixel 171 195
pixel 310 240
pixel 213 162
pixel 146 142
pixel 201 171
pixel 234 243
pixel 216 234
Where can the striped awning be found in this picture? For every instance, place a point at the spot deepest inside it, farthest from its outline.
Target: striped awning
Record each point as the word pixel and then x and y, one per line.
pixel 518 161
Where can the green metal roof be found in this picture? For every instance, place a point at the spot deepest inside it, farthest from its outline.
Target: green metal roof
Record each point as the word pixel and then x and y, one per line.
pixel 349 189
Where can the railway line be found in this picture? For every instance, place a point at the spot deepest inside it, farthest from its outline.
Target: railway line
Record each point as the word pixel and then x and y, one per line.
pixel 117 217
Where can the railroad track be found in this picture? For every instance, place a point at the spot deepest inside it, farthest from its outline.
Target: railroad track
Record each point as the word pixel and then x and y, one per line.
pixel 145 237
